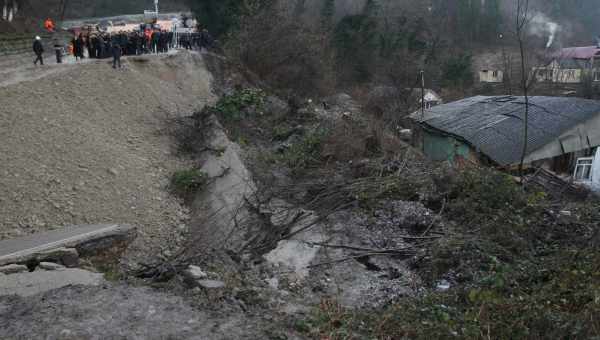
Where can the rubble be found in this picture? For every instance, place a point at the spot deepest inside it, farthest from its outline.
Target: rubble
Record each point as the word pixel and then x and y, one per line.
pixel 39 281
pixel 67 256
pixel 13 269
pixel 50 266
pixel 211 284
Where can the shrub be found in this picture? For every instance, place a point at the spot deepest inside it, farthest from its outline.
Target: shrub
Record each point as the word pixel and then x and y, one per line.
pixel 306 152
pixel 189 181
pixel 516 272
pixel 236 106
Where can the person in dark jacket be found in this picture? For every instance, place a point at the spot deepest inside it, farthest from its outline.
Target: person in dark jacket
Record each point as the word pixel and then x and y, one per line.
pixel 38 49
pixel 58 49
pixel 155 40
pixel 116 53
pixel 77 47
pixel 81 45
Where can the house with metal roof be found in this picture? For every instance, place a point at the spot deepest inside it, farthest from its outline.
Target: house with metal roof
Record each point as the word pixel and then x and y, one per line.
pixel 569 65
pixel 490 130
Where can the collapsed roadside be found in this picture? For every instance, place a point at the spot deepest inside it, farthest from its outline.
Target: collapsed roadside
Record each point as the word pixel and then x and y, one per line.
pixel 309 219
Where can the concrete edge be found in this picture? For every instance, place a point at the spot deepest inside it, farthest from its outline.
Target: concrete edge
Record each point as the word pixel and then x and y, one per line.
pixel 115 231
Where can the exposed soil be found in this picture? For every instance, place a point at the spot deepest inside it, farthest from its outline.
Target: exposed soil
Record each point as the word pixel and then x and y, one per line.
pixel 87 144
pixel 113 312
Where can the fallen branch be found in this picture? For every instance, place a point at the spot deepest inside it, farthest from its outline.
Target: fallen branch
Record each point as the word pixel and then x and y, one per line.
pixel 335 246
pixel 358 256
pixel 435 219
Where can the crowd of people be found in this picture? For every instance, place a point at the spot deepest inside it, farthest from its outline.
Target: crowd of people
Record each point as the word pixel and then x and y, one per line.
pixel 191 41
pixel 100 45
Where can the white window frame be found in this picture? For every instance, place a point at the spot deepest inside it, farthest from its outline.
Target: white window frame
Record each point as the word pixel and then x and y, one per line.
pixel 583 164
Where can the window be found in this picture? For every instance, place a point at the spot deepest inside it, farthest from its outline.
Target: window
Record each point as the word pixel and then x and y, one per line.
pixel 495 74
pixel 583 169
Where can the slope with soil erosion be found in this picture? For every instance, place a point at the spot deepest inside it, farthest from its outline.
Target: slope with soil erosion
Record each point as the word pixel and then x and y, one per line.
pixel 250 212
pixel 85 144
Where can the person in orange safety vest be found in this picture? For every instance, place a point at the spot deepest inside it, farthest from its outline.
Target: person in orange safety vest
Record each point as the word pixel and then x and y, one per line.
pixel 49 25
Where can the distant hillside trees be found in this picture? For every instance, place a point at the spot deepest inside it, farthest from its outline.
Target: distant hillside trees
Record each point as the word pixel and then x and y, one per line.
pixel 218 16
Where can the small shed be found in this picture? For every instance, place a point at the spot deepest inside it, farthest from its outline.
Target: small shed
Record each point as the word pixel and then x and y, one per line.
pixel 491 76
pixel 490 130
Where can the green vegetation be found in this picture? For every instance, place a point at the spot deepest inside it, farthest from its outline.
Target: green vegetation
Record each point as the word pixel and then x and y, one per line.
pixel 304 153
pixel 189 181
pixel 223 16
pixel 355 41
pixel 519 270
pixel 240 105
pixel 457 71
pixel 219 16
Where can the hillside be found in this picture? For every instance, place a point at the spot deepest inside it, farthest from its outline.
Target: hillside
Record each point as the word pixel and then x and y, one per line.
pixel 86 144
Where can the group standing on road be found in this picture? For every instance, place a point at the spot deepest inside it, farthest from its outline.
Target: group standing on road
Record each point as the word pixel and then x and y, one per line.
pixel 102 45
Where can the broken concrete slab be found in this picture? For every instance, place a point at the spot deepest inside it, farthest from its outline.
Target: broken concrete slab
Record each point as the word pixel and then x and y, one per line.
pixel 13 269
pixel 39 281
pixel 50 266
pixel 67 256
pixel 85 239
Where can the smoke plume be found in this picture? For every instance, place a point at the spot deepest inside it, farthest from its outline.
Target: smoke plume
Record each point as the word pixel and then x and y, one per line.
pixel 542 26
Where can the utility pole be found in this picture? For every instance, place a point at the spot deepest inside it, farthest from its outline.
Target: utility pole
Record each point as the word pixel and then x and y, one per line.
pixel 422 94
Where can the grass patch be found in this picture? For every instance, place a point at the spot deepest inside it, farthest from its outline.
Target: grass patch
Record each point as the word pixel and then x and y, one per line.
pixel 188 181
pixel 304 153
pixel 239 105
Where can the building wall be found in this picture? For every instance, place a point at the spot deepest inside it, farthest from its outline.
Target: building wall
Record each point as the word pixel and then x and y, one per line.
pixel 558 75
pixel 491 76
pixel 445 148
pixel 582 136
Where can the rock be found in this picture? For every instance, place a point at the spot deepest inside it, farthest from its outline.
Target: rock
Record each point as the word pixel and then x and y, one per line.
pixel 273 283
pixel 443 285
pixel 211 284
pixel 406 135
pixel 274 106
pixel 340 99
pixel 195 273
pixel 51 266
pixel 13 269
pixel 67 256
pixel 113 172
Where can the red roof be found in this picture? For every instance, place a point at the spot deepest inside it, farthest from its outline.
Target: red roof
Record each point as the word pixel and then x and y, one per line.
pixel 587 52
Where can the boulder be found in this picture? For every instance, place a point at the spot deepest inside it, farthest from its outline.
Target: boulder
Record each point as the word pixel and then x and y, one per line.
pixel 194 273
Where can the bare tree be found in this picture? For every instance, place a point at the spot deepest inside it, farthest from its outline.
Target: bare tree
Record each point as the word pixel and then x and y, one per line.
pixel 522 20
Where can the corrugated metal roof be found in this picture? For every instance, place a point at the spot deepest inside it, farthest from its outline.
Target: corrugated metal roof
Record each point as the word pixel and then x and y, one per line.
pixel 586 52
pixel 494 125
